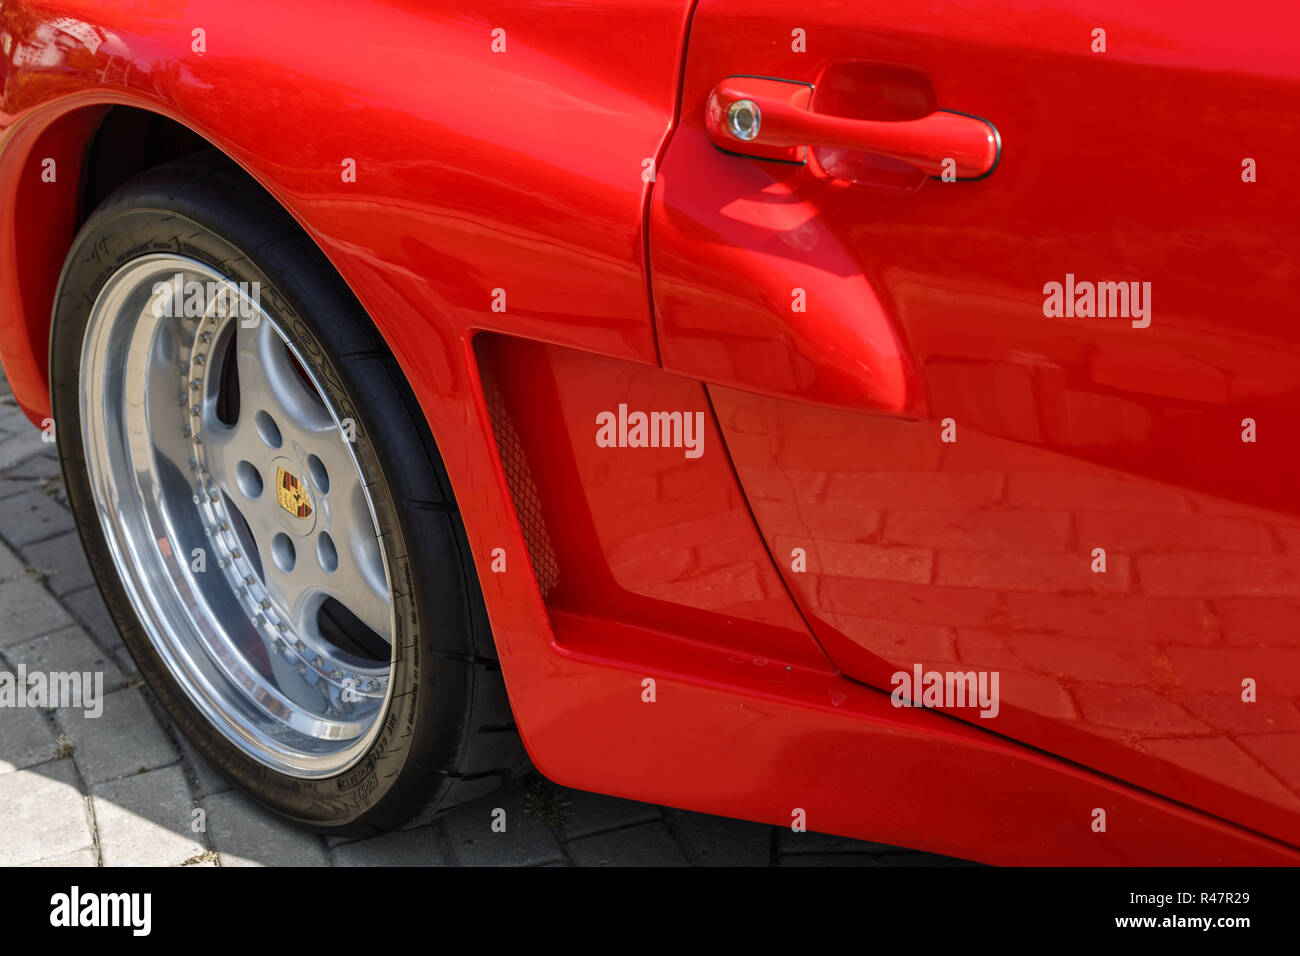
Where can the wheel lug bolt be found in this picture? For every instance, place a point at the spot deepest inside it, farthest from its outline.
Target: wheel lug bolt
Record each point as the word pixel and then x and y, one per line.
pixel 198 359
pixel 265 605
pixel 196 384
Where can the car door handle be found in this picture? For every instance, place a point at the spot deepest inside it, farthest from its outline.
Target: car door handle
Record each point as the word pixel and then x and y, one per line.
pixel 771 119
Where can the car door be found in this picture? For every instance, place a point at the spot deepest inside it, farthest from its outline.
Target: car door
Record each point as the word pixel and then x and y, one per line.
pixel 1026 405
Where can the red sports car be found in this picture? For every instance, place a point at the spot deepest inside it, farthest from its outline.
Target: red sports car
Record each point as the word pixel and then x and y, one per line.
pixel 753 406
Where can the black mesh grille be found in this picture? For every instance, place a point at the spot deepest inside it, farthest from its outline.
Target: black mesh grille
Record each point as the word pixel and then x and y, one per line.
pixel 528 506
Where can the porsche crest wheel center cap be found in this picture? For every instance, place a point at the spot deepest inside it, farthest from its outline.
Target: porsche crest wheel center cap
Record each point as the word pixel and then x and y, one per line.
pixel 293 503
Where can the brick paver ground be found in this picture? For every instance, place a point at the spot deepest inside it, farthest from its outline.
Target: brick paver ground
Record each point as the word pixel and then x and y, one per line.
pixel 123 788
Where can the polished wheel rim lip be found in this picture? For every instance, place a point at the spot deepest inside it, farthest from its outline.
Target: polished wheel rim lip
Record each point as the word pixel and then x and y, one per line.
pixel 253 590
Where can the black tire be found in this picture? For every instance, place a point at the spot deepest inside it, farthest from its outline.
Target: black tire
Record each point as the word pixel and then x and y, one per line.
pixel 448 734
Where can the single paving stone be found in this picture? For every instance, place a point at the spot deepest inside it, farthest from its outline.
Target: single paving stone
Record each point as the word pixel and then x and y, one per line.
pixel 25 740
pixel 19 446
pixel 408 848
pixel 88 607
pixel 26 611
pixel 526 841
pixel 42 470
pixel 32 516
pixel 84 857
pixel 11 487
pixel 124 739
pixel 62 561
pixel 68 650
pixel 145 820
pixel 647 844
pixel 42 814
pixel 719 841
pixel 10 565
pixel 246 835
pixel 592 812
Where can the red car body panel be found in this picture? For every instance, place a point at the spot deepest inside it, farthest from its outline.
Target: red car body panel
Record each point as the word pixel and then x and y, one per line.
pixel 1071 433
pixel 528 171
pixel 657 538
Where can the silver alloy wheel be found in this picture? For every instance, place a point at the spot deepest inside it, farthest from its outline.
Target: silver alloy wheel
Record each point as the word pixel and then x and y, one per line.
pixel 237 514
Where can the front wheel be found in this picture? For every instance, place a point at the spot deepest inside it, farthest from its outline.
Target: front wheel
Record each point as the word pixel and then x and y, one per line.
pixel 266 513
